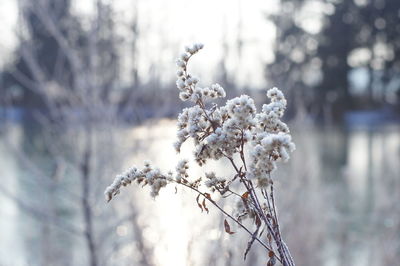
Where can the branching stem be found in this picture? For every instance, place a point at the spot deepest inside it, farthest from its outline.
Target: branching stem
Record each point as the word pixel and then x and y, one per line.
pixel 229 216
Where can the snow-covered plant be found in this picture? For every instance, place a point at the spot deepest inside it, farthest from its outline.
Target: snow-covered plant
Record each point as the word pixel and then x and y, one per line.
pixel 251 142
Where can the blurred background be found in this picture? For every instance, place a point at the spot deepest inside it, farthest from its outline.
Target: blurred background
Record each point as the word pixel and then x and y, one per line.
pixel 87 89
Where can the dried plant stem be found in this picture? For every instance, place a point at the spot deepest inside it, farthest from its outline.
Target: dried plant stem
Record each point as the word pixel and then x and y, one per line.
pixel 229 216
pixel 223 132
pixel 274 229
pixel 286 251
pixel 271 218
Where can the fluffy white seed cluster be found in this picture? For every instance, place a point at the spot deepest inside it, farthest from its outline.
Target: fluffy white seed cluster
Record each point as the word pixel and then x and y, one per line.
pixel 181 170
pixel 219 132
pixel 269 119
pixel 231 127
pixel 222 131
pixel 191 123
pixel 149 175
pixel 271 140
pixel 213 182
pixel 122 180
pixel 267 149
pixel 187 84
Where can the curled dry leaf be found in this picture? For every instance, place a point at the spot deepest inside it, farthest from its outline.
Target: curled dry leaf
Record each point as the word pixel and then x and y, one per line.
pixel 227 227
pixel 208 196
pixel 271 254
pixel 258 221
pixel 198 203
pixel 245 195
pixel 204 205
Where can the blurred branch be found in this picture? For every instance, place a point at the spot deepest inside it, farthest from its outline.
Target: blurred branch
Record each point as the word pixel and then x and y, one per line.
pixel 40 215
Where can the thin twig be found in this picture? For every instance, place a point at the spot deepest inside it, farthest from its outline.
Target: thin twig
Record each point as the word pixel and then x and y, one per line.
pixel 228 215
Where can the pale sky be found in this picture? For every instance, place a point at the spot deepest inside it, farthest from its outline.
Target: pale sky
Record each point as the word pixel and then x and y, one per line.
pixel 8 19
pixel 167 26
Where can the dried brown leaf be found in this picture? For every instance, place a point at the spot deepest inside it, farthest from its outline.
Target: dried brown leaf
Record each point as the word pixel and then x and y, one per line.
pixel 208 196
pixel 258 221
pixel 204 205
pixel 269 237
pixel 245 195
pixel 227 227
pixel 271 254
pixel 198 203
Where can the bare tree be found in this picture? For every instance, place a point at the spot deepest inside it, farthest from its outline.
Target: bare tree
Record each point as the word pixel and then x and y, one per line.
pixel 78 87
